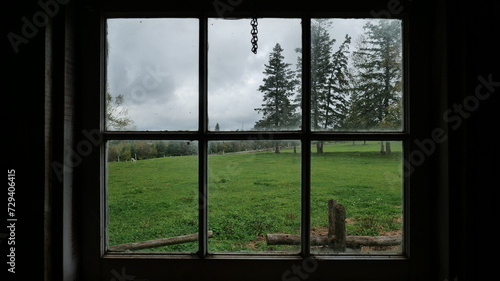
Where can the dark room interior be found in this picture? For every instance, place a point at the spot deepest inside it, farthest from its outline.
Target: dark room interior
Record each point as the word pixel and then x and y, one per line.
pixel 52 61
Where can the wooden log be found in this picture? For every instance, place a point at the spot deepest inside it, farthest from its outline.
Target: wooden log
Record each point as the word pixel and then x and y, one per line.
pixel 358 241
pixel 351 241
pixel 282 239
pixel 156 242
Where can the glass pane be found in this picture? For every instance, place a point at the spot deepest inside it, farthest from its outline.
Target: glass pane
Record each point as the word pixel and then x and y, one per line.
pixel 152 194
pixel 247 91
pixel 356 75
pixel 253 192
pixel 152 74
pixel 365 177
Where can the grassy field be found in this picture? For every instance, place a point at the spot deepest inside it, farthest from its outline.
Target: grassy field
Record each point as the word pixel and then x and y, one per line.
pixel 252 194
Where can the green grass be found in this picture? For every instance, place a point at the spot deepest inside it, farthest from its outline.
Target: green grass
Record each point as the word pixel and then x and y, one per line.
pixel 152 198
pixel 253 194
pixel 366 182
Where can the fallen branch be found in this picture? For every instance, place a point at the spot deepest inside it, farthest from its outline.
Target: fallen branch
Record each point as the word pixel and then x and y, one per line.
pixel 358 241
pixel 156 242
pixel 352 241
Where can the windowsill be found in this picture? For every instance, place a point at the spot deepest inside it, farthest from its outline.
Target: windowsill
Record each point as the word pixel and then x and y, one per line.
pixel 257 256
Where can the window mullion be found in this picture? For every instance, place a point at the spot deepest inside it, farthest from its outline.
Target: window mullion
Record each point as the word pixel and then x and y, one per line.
pixel 306 75
pixel 306 141
pixel 203 142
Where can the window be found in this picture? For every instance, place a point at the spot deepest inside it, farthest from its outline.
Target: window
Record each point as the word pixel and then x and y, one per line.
pixel 254 185
pixel 215 154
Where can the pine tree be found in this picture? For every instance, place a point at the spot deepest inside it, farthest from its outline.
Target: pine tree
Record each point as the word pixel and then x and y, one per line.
pixel 379 72
pixel 379 85
pixel 329 83
pixel 278 109
pixel 321 67
pixel 334 106
pixel 359 116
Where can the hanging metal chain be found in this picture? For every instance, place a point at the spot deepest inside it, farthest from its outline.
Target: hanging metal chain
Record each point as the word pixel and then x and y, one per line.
pixel 254 33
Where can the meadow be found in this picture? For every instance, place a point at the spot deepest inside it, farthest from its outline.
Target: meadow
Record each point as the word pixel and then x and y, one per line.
pixel 252 194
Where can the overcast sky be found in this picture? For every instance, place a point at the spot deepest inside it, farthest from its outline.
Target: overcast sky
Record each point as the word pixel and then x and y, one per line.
pixel 153 63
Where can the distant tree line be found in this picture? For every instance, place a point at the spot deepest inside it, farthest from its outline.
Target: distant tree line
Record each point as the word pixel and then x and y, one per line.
pixel 125 150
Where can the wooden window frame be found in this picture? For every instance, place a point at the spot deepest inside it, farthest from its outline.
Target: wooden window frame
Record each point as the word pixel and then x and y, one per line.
pixel 101 265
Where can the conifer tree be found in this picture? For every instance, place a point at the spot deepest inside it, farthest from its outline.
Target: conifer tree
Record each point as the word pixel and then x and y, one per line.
pixel 329 83
pixel 377 102
pixel 333 107
pixel 321 67
pixel 378 66
pixel 279 111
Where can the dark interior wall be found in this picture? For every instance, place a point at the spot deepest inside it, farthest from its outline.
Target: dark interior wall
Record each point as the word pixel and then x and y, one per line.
pixel 23 109
pixel 473 157
pixel 472 52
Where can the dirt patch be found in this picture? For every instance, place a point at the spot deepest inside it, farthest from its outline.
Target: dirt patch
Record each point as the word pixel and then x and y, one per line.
pixel 397 248
pixel 320 230
pixel 253 244
pixel 350 220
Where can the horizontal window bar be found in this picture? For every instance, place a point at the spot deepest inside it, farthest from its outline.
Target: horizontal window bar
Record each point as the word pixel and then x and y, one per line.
pixel 252 136
pixel 218 9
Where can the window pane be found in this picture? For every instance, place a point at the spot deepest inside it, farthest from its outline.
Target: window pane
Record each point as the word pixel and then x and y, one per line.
pixel 152 74
pixel 356 75
pixel 152 193
pixel 248 91
pixel 253 191
pixel 368 184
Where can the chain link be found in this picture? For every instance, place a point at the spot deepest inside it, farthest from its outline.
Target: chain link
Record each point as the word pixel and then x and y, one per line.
pixel 254 33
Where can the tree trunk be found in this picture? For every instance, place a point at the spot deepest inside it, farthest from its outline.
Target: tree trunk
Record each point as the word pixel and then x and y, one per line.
pixel 387 147
pixel 319 147
pixel 382 149
pixel 277 148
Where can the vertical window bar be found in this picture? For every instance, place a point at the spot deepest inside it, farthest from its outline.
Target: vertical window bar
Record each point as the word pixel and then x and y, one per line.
pixel 406 200
pixel 406 142
pixel 203 142
pixel 306 141
pixel 306 75
pixel 202 199
pixel 405 76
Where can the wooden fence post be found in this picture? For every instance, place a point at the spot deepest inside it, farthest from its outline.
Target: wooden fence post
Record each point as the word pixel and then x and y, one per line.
pixel 336 226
